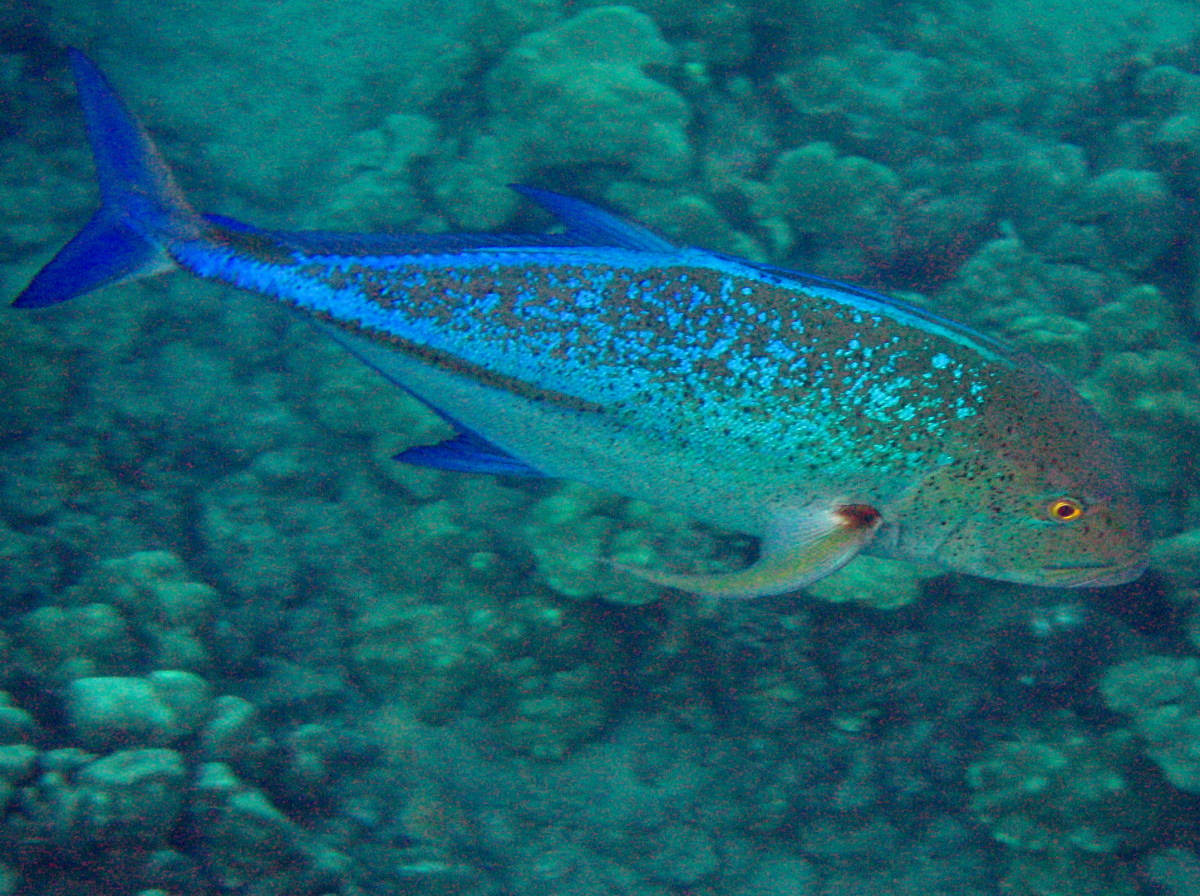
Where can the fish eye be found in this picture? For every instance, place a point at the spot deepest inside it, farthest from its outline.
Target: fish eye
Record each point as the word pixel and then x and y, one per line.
pixel 1065 510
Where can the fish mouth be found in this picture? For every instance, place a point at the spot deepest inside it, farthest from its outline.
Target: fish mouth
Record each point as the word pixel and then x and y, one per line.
pixel 1095 575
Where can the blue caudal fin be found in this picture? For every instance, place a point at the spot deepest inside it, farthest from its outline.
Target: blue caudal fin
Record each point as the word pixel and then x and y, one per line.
pixel 141 207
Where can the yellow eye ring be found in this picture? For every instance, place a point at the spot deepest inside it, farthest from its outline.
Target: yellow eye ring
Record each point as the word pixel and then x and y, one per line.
pixel 1064 510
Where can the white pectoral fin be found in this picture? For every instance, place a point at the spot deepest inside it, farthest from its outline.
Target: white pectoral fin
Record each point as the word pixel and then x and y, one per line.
pixel 807 549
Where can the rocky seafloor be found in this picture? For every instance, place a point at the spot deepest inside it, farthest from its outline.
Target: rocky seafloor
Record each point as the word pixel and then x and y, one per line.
pixel 243 651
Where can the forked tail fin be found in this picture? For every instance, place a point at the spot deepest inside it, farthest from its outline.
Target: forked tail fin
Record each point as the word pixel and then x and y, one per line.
pixel 141 208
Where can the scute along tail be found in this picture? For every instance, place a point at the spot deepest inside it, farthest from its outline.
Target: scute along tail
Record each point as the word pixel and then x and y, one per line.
pixel 141 206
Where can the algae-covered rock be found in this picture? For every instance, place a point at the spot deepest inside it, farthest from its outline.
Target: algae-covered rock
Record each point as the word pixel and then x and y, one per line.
pixel 236 736
pixel 28 569
pixel 349 399
pixel 585 79
pixel 189 697
pixel 1008 288
pixel 17 763
pixel 542 672
pixel 1139 685
pixel 1176 869
pixel 53 645
pixel 549 714
pixel 263 93
pixel 420 652
pixel 312 752
pixel 132 796
pixel 1067 873
pixel 569 533
pixel 498 23
pixel 576 93
pixel 430 539
pixel 36 488
pixel 585 540
pixel 169 610
pixel 780 874
pixel 114 711
pixel 1139 319
pixel 239 526
pixel 781 697
pixel 1062 790
pixel 1178 558
pixel 820 191
pixel 1134 212
pixel 886 90
pixel 1002 279
pixel 75 800
pixel 36 391
pixel 763 663
pixel 875 581
pixel 1162 694
pixel 375 190
pixel 17 726
pixel 681 855
pixel 245 837
pixel 246 840
pixel 1152 390
pixel 1055 339
pixel 1153 398
pixel 783 693
pixel 690 219
pixel 1040 181
pixel 473 192
pixel 152 586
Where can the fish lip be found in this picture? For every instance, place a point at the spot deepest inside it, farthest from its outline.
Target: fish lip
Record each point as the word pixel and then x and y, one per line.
pixel 1103 575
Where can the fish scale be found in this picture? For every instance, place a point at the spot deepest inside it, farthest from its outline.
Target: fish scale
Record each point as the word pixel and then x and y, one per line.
pixel 823 418
pixel 670 340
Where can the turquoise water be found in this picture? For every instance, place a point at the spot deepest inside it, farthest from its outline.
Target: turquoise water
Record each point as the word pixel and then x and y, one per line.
pixel 244 651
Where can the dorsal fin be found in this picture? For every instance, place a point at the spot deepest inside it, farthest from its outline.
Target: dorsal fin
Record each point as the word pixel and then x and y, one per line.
pixel 592 226
pixel 320 242
pixel 587 226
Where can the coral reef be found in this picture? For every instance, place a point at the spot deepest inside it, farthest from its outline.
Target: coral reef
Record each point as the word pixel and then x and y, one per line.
pixel 1162 695
pixel 245 651
pixel 849 198
pixel 1064 790
pixel 575 94
pixel 341 71
pixel 1066 803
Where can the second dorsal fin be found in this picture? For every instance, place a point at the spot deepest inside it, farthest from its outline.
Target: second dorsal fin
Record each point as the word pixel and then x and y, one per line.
pixel 593 226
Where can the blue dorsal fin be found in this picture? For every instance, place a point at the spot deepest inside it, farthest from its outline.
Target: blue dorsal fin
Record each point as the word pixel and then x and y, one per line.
pixel 319 242
pixel 587 226
pixel 592 226
pixel 467 453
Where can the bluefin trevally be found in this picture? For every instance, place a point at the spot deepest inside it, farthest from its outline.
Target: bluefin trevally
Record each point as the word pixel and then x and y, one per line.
pixel 823 418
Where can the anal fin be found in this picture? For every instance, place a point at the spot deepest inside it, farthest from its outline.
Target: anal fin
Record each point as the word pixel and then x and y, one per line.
pixel 790 559
pixel 467 453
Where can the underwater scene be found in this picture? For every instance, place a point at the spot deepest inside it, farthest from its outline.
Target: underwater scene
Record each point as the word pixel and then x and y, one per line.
pixel 246 650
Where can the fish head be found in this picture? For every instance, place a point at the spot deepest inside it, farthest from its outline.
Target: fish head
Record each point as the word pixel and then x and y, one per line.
pixel 1042 497
pixel 1037 529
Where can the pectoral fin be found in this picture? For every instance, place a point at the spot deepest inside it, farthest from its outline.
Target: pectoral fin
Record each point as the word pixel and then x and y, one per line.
pixel 796 556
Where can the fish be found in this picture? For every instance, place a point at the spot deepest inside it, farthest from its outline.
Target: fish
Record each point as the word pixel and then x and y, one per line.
pixel 822 418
